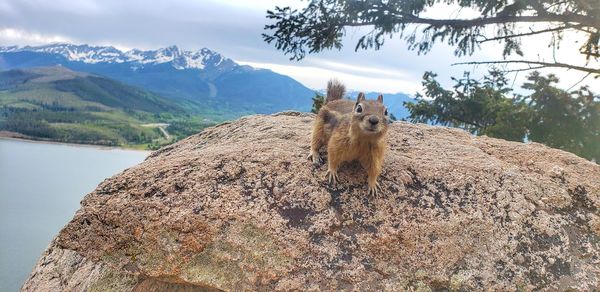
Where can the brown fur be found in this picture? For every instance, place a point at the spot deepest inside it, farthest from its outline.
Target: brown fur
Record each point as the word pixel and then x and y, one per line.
pixel 335 90
pixel 350 135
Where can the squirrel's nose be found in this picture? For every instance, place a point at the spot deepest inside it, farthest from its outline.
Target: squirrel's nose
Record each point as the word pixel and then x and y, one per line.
pixel 374 120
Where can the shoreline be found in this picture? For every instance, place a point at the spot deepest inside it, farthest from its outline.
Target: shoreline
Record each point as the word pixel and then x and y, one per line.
pixel 3 136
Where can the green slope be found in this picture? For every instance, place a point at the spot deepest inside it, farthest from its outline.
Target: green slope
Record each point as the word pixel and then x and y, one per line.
pixel 57 104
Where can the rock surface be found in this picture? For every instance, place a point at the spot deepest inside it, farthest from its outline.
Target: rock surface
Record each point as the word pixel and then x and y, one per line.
pixel 238 207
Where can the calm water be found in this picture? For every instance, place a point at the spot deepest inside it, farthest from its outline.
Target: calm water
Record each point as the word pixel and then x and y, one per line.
pixel 41 186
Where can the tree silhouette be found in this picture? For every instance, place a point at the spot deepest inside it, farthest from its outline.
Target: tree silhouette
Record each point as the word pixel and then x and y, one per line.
pixel 322 24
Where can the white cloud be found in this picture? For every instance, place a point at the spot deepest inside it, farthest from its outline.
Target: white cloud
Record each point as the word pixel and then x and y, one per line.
pixel 360 69
pixel 316 78
pixel 13 36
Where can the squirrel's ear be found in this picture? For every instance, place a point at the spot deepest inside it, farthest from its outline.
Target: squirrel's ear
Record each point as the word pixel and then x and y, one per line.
pixel 361 97
pixel 380 98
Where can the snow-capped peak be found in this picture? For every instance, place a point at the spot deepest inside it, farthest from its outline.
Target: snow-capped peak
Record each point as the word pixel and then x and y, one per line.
pixel 179 59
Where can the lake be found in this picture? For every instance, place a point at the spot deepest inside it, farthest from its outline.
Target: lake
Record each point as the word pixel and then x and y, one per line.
pixel 41 185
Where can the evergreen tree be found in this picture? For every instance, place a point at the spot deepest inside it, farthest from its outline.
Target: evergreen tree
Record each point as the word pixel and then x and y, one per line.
pixel 318 101
pixel 549 115
pixel 322 24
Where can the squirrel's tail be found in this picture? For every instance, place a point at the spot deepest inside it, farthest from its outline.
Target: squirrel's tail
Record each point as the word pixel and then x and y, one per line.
pixel 335 90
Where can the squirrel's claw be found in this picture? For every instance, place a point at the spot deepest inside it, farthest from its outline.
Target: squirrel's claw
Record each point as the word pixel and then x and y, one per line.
pixel 315 158
pixel 332 177
pixel 374 189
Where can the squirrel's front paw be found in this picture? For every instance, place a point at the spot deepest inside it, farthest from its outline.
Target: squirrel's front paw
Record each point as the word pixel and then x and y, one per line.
pixel 332 177
pixel 315 158
pixel 374 189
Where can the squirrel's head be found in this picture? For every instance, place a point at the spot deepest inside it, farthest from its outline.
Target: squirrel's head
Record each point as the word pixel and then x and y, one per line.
pixel 370 116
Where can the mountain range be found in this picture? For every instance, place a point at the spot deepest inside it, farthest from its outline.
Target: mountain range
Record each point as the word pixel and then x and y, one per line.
pixel 203 81
pixel 102 95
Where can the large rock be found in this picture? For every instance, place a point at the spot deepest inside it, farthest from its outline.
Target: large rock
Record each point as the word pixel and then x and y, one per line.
pixel 238 207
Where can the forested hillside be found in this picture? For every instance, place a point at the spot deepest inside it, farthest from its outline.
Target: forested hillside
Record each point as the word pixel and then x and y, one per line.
pixel 58 104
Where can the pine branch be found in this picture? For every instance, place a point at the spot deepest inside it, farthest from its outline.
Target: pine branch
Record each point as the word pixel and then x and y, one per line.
pixel 581 80
pixel 582 20
pixel 530 33
pixel 544 64
pixel 523 69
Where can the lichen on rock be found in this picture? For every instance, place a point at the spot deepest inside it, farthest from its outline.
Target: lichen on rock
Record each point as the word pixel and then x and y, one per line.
pixel 238 207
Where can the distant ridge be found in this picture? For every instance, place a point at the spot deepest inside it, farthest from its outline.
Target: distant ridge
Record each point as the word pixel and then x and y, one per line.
pixel 180 59
pixel 58 104
pixel 204 81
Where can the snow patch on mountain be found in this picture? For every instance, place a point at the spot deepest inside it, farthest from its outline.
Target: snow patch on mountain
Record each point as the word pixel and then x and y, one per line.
pixel 179 59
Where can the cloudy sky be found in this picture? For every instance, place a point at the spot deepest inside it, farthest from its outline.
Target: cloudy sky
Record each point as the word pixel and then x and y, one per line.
pixel 234 29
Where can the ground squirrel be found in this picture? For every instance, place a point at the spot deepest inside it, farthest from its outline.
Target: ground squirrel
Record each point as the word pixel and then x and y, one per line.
pixel 351 131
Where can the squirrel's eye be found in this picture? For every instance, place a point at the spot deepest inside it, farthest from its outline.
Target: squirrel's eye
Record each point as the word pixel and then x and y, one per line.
pixel 358 109
pixel 386 112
